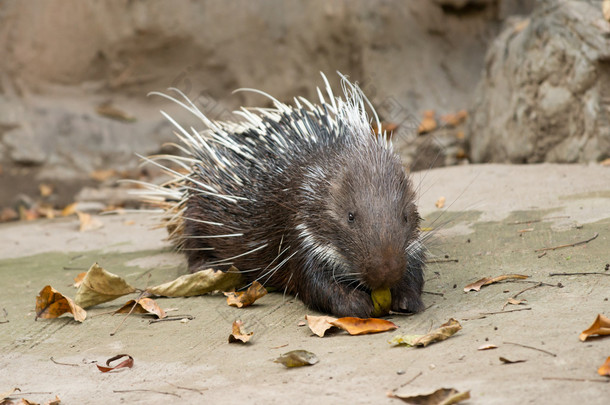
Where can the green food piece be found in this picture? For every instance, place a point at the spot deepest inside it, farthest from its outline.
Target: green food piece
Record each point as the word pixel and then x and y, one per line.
pixel 382 301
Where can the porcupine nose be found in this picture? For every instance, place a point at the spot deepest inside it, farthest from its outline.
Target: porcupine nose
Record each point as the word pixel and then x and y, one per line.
pixel 386 268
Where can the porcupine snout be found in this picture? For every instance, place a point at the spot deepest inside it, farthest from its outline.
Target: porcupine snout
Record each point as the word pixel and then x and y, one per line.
pixel 385 267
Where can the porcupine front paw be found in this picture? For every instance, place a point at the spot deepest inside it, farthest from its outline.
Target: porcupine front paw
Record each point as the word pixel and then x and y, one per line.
pixel 355 303
pixel 406 296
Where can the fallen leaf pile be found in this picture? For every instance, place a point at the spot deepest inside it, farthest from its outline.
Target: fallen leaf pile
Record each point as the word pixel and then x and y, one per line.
pixel 354 326
pixel 445 331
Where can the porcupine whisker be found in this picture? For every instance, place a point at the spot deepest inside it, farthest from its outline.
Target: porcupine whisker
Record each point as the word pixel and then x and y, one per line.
pixel 272 271
pixel 239 255
pixel 230 235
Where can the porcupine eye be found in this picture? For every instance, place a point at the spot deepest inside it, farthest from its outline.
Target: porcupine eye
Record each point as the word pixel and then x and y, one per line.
pixel 350 217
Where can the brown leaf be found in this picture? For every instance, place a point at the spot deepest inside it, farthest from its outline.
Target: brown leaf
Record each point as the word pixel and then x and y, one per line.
pixel 440 203
pixel 297 358
pixel 142 306
pixel 55 401
pixel 238 336
pixel 507 361
pixel 69 209
pixel 487 347
pixel 601 326
pixel 78 280
pixel 455 119
pixel 101 286
pixel 476 286
pixel 319 324
pixel 87 222
pixel 246 298
pixel 50 303
pixel 127 363
pixel 445 331
pixel 442 396
pixel 604 369
pixel 428 123
pixel 201 282
pixel 359 326
pixel 5 395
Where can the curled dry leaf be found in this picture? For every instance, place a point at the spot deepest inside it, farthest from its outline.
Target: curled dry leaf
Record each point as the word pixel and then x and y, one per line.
pixel 445 331
pixel 476 286
pixel 359 326
pixel 604 368
pixel 428 123
pixel 78 280
pixel 142 306
pixel 382 301
pixel 442 396
pixel 101 286
pixel 238 336
pixel 297 358
pixel 319 324
pixel 50 303
pixel 487 347
pixel 601 326
pixel 199 283
pixel 246 298
pixel 87 222
pixel 127 363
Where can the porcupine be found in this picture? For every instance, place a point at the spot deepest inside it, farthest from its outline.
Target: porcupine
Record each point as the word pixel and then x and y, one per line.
pixel 305 198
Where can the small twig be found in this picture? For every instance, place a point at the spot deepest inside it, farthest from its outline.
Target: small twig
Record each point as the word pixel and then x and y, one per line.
pixel 535 220
pixel 64 364
pixel 576 379
pixel 433 293
pixel 172 318
pixel 528 288
pixel 586 273
pixel 530 347
pixel 505 312
pixel 199 390
pixel 582 242
pixel 432 261
pixel 408 382
pixel 135 302
pixel 143 390
pixel 34 393
pixel 541 255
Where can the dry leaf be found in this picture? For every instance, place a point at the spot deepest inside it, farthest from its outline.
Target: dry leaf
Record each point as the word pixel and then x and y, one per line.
pixel 476 286
pixel 238 336
pixel 45 190
pixel 142 306
pixel 8 214
pixel 50 303
pixel 604 368
pixel 428 123
pixel 109 111
pixel 319 324
pixel 127 363
pixel 5 395
pixel 297 358
pixel 87 222
pixel 55 401
pixel 455 119
pixel 487 347
pixel 382 301
pixel 201 282
pixel 103 175
pixel 440 203
pixel 504 360
pixel 246 298
pixel 101 286
pixel 442 396
pixel 359 326
pixel 78 280
pixel 69 209
pixel 445 331
pixel 601 326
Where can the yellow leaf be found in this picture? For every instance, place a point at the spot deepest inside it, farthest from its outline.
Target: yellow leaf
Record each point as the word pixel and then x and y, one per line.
pixel 201 282
pixel 100 286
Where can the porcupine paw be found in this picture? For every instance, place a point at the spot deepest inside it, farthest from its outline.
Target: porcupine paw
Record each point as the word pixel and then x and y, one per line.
pixel 406 299
pixel 355 303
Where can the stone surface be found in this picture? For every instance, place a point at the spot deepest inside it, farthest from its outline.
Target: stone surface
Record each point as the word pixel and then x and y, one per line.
pixel 545 93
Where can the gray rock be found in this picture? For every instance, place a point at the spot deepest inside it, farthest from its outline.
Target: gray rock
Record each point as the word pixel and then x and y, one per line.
pixel 545 95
